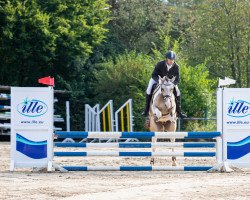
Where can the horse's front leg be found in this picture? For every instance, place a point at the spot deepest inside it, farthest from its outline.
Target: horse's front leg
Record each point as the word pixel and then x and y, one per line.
pixel 172 117
pixel 157 112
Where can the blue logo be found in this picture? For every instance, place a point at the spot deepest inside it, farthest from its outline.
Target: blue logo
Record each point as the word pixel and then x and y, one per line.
pixel 236 150
pixel 239 108
pixel 32 149
pixel 32 108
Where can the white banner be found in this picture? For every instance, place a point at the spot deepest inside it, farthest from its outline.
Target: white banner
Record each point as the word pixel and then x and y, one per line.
pixel 236 126
pixel 31 127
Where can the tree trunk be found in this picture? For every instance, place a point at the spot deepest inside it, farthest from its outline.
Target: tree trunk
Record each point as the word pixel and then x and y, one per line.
pixel 237 62
pixel 232 54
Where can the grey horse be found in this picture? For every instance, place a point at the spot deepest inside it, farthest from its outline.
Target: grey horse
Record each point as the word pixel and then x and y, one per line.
pixel 162 113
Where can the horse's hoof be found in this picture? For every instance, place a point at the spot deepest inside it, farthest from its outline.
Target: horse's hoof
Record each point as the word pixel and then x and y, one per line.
pixel 173 158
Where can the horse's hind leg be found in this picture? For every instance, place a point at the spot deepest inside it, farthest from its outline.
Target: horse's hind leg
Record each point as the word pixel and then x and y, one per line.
pixel 153 127
pixel 171 127
pixel 160 127
pixel 173 157
pixel 152 160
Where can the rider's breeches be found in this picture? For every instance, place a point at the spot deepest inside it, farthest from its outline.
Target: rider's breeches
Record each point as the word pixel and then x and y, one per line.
pixel 150 86
pixel 152 82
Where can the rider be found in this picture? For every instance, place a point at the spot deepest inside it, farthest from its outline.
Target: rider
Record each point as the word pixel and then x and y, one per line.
pixel 170 69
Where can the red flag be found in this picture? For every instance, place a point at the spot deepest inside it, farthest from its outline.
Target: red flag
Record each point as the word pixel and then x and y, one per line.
pixel 47 81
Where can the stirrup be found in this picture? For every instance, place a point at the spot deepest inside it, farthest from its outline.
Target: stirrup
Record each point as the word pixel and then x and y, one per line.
pixel 181 115
pixel 144 114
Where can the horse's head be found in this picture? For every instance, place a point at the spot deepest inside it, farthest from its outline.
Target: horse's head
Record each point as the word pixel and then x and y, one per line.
pixel 163 103
pixel 167 86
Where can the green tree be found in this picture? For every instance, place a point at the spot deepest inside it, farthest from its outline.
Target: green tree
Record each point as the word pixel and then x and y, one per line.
pixel 52 37
pixel 125 77
pixel 79 26
pixel 27 45
pixel 134 24
pixel 49 38
pixel 221 31
pixel 197 90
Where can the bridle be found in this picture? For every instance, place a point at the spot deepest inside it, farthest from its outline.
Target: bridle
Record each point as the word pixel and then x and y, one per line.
pixel 165 96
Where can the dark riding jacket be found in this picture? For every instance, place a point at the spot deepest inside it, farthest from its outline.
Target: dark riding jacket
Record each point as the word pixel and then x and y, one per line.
pixel 161 69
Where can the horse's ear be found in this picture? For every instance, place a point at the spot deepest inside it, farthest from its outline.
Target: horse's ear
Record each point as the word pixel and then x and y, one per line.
pixel 159 77
pixel 173 79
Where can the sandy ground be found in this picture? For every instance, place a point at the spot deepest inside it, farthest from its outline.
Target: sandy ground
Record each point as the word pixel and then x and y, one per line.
pixel 121 185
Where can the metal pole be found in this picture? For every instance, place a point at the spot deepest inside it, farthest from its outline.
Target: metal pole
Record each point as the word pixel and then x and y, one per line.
pixel 112 115
pixel 128 117
pixel 93 121
pixel 122 120
pixel 220 118
pixel 116 122
pixel 86 117
pixel 97 119
pixel 131 115
pixel 67 116
pixel 219 156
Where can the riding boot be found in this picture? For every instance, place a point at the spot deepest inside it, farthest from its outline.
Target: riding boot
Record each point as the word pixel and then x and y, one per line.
pixel 146 110
pixel 178 107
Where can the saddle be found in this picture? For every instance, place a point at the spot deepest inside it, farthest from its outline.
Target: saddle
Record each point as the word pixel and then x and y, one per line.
pixel 153 91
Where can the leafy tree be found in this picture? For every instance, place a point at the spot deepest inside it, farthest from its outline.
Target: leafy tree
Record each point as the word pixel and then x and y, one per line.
pixel 27 45
pixel 52 37
pixel 197 90
pixel 79 26
pixel 220 31
pixel 125 77
pixel 49 37
pixel 134 24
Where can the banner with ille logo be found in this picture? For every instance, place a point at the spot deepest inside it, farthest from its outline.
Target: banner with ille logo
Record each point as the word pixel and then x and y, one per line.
pixel 31 127
pixel 236 126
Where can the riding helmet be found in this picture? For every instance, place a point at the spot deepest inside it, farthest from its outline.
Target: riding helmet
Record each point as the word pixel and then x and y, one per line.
pixel 170 55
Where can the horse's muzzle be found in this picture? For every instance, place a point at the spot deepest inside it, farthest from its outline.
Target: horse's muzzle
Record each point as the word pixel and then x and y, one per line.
pixel 166 97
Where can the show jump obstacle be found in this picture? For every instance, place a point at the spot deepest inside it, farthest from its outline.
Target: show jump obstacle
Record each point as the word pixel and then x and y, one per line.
pixel 140 135
pixel 32 135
